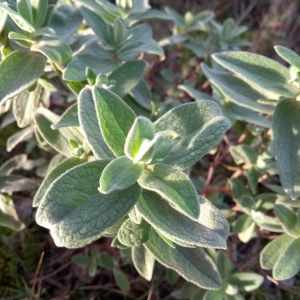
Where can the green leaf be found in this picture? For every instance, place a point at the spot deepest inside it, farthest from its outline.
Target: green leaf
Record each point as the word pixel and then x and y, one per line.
pixel 237 91
pixel 241 224
pixel 55 50
pixel 243 154
pixel 186 291
pixel 69 118
pixel 224 265
pixel 90 126
pixel 104 260
pixel 193 264
pixel 286 144
pixel 25 10
pixel 210 230
pixel 26 103
pixel 135 216
pixel 143 261
pixel 81 260
pixel 198 137
pixel 266 222
pixel 213 295
pixel 271 253
pixel 141 129
pixel 8 215
pixel 142 95
pixel 65 20
pixel 131 234
pixel 39 12
pixel 17 18
pixel 19 137
pixel 58 139
pixel 288 263
pixel 246 235
pixel 76 213
pixel 54 173
pixel 265 75
pixel 119 174
pixel 14 163
pixel 246 281
pixel 171 276
pixel 288 219
pixel 172 185
pixel 15 183
pixel 18 71
pixel 253 175
pixel 288 55
pixel 115 119
pixel 121 280
pixel 127 76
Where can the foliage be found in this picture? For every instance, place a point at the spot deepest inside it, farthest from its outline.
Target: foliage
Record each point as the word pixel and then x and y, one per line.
pixel 126 165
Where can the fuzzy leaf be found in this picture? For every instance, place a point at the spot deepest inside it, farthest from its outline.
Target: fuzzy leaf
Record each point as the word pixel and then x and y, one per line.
pixel 58 139
pixel 54 173
pixel 121 280
pixel 69 118
pixel 224 265
pixel 18 71
pixel 288 55
pixel 16 162
pixel 119 174
pixel 90 126
pixel 198 137
pixel 193 264
pixel 115 119
pixel 55 50
pixel 265 75
pixel 143 261
pixel 246 281
pixel 286 144
pixel 211 229
pixel 127 76
pixel 131 234
pixel 76 213
pixel 172 185
pixel 15 183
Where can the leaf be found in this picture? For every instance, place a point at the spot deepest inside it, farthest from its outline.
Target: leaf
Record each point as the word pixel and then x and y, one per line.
pixel 104 260
pixel 241 224
pixel 246 235
pixel 54 173
pixel 172 185
pixel 25 10
pixel 127 76
pixel 8 215
pixel 135 216
pixel 15 183
pixel 26 103
pixel 119 174
pixel 266 222
pixel 263 74
pixel 286 144
pixel 141 129
pixel 246 281
pixel 271 253
pixel 76 213
pixel 18 71
pixel 198 137
pixel 224 265
pixel 68 119
pixel 186 291
pixel 288 263
pixel 210 230
pixel 115 119
pixel 243 154
pixel 193 264
pixel 131 234
pixel 288 55
pixel 121 280
pixel 14 163
pixel 58 139
pixel 65 20
pixel 142 95
pixel 252 176
pixel 237 90
pixel 81 260
pixel 19 137
pixel 55 50
pixel 213 295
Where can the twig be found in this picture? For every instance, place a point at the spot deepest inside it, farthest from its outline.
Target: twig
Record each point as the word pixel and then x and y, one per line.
pixel 150 291
pixel 37 272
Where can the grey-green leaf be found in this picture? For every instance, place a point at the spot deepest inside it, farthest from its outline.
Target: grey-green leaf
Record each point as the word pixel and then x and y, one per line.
pixel 173 185
pixel 211 229
pixel 58 139
pixel 286 144
pixel 54 173
pixel 119 174
pixel 18 71
pixel 198 137
pixel 115 118
pixel 90 126
pixel 265 75
pixel 288 55
pixel 131 234
pixel 76 213
pixel 193 264
pixel 246 281
pixel 143 261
